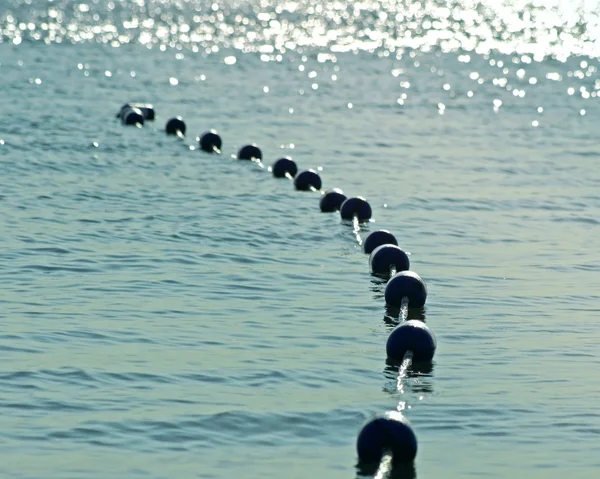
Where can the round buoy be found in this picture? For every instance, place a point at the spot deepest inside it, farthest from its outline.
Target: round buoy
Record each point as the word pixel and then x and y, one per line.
pixel 387 259
pixel 133 116
pixel 250 152
pixel 284 167
pixel 389 432
pixel 332 200
pixel 211 142
pixel 406 284
pixel 148 112
pixel 356 208
pixel 411 335
pixel 378 238
pixel 175 126
pixel 307 180
pixel 146 109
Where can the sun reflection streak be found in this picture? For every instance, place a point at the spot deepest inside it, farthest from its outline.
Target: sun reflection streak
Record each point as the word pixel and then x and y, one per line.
pixel 523 26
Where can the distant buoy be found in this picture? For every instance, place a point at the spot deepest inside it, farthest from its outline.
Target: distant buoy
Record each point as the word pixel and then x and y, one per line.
pixel 387 433
pixel 332 200
pixel 386 260
pixel 146 109
pixel 175 126
pixel 411 335
pixel 284 167
pixel 406 285
pixel 378 238
pixel 148 112
pixel 356 208
pixel 250 152
pixel 133 116
pixel 211 142
pixel 308 180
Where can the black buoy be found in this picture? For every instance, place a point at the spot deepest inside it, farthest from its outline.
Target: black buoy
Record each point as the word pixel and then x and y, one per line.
pixel 132 116
pixel 211 142
pixel 175 126
pixel 284 168
pixel 406 286
pixel 332 200
pixel 250 152
pixel 308 180
pixel 148 112
pixel 386 260
pixel 389 433
pixel 357 208
pixel 378 238
pixel 146 109
pixel 414 336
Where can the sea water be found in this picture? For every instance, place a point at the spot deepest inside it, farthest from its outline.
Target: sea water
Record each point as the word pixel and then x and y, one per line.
pixel 167 313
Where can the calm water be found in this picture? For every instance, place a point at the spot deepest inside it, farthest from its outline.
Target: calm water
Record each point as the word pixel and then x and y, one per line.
pixel 165 313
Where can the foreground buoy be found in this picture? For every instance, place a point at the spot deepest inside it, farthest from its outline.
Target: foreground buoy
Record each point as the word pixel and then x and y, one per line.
pixel 378 238
pixel 406 285
pixel 133 116
pixel 146 109
pixel 308 180
pixel 176 126
pixel 211 142
pixel 284 168
pixel 250 152
pixel 388 433
pixel 356 208
pixel 332 200
pixel 411 335
pixel 386 260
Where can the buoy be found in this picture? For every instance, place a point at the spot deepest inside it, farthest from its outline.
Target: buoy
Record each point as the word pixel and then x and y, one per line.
pixel 308 180
pixel 386 260
pixel 175 126
pixel 250 152
pixel 414 336
pixel 284 168
pixel 146 109
pixel 357 210
pixel 133 116
pixel 332 200
pixel 378 238
pixel 211 142
pixel 389 433
pixel 406 287
pixel 356 207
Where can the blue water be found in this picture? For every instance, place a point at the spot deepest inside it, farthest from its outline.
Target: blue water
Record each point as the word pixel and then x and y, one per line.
pixel 167 313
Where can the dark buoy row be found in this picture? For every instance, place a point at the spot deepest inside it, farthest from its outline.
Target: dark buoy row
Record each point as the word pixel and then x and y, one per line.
pixel 137 113
pixel 307 180
pixel 388 438
pixel 390 434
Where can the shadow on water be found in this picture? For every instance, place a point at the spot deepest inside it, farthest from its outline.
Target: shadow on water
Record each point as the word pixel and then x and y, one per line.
pixel 378 286
pixel 399 471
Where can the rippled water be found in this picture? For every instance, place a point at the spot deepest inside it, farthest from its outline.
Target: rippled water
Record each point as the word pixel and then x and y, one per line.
pixel 166 313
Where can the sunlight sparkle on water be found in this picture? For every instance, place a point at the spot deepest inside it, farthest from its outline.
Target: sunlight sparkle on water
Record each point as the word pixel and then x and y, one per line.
pixel 271 27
